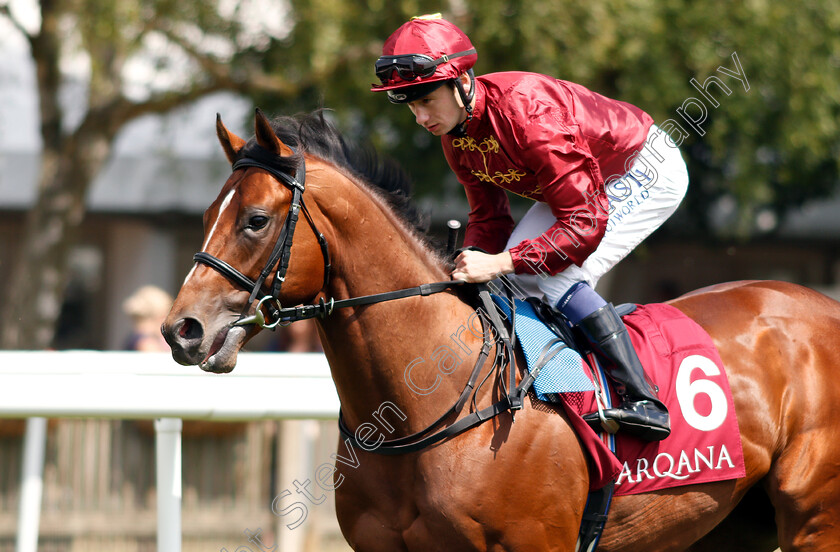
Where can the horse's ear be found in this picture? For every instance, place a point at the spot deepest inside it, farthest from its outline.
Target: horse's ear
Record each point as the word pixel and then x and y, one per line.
pixel 231 143
pixel 267 138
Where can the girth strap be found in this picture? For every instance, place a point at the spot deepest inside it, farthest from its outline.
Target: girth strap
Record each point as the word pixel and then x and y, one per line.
pixel 595 515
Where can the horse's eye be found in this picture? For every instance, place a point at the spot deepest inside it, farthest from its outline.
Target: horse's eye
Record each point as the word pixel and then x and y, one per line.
pixel 257 221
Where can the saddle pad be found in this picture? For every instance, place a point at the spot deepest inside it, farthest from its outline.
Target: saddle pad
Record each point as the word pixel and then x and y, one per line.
pixel 564 373
pixel 705 442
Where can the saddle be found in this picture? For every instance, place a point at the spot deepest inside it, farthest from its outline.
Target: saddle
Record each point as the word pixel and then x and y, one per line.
pixel 573 338
pixel 557 323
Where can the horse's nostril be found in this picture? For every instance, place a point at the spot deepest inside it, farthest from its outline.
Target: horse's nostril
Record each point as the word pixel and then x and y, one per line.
pixel 190 329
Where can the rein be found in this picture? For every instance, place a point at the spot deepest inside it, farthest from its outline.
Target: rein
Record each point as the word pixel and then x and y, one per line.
pixel 278 262
pixel 512 401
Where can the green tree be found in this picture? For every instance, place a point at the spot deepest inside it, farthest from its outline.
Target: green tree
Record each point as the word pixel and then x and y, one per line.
pixel 762 150
pixel 200 50
pixel 331 30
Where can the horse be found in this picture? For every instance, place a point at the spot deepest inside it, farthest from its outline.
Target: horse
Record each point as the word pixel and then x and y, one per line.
pixel 499 485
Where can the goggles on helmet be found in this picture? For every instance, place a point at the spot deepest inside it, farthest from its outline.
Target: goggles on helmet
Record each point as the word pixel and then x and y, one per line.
pixel 411 67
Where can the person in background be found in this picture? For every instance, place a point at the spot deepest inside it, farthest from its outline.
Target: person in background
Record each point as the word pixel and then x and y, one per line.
pixel 603 177
pixel 147 307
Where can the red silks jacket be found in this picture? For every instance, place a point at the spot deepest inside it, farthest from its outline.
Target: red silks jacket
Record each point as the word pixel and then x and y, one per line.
pixel 551 141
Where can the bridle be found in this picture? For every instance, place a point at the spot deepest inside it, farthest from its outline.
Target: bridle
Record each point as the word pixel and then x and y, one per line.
pixel 278 261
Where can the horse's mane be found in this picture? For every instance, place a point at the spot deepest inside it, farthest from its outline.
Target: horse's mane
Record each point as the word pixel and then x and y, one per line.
pixel 313 133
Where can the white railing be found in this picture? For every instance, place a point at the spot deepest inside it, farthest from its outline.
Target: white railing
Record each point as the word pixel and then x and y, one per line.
pixel 39 385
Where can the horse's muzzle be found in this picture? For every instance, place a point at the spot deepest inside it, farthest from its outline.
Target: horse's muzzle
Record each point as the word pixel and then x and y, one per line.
pixel 185 338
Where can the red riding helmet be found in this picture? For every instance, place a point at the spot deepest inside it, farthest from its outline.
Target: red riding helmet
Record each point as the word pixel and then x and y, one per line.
pixel 422 55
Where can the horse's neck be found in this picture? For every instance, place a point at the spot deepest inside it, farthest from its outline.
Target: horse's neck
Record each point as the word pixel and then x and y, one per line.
pixel 370 348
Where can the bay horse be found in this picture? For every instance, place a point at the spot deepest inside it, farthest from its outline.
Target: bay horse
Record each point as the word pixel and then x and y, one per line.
pixel 500 485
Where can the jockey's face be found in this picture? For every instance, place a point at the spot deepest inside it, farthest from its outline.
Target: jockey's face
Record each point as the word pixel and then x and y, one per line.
pixel 440 111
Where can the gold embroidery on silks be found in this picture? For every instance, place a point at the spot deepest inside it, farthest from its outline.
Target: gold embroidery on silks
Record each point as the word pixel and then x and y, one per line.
pixel 512 176
pixel 533 194
pixel 487 146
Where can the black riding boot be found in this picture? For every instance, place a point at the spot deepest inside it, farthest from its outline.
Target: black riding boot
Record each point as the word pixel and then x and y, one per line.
pixel 640 412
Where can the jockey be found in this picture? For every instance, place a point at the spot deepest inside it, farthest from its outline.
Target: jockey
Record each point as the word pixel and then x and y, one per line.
pixel 603 177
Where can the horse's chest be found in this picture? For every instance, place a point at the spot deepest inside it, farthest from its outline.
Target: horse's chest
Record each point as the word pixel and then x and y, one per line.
pixel 407 509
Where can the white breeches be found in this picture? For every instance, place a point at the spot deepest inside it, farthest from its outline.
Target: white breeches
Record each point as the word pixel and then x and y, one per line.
pixel 640 202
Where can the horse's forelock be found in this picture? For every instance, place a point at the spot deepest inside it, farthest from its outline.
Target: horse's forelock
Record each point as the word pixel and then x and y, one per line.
pixel 288 164
pixel 314 134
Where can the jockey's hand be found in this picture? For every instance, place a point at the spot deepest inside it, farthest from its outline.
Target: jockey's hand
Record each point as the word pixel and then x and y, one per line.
pixel 476 267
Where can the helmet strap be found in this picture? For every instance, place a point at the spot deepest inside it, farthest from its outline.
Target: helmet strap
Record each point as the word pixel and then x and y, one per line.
pixel 466 99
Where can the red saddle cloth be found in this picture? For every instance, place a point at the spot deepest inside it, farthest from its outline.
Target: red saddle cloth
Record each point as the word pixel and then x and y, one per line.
pixel 705 443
